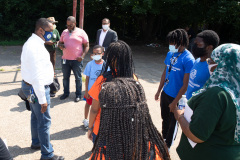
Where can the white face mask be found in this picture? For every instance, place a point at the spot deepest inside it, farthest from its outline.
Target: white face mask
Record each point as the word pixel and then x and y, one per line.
pixel 97 57
pixel 172 49
pixel 105 27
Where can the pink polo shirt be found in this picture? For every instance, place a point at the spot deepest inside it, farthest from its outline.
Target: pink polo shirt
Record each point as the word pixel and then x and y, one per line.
pixel 73 43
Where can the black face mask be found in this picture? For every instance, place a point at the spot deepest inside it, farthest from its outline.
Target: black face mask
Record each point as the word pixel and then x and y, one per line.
pixel 198 52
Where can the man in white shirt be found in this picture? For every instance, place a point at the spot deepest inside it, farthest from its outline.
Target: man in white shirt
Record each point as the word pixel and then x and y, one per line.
pixel 105 36
pixel 37 74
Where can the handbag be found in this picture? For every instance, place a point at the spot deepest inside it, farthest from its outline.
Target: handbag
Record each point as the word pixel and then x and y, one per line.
pixel 24 98
pixel 55 86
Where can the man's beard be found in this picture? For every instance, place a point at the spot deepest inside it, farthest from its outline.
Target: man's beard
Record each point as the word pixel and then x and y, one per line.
pixel 72 29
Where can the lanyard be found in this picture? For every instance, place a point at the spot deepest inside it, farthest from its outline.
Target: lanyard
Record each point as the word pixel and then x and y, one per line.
pixel 170 67
pixel 172 62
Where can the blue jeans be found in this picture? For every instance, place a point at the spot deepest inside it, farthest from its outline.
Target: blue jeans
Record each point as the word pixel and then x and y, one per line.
pixel 40 123
pixel 76 67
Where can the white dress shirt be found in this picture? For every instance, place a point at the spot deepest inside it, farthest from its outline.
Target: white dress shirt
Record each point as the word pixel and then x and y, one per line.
pixel 36 67
pixel 102 37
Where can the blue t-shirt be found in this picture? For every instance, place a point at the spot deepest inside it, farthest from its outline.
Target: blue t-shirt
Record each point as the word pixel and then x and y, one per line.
pixel 198 76
pixel 181 66
pixel 92 70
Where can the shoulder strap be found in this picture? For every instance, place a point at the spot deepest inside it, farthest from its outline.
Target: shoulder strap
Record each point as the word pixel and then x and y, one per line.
pixel 108 76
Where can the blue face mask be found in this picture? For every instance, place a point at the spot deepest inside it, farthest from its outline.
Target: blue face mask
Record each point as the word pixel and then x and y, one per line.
pixel 48 35
pixel 172 49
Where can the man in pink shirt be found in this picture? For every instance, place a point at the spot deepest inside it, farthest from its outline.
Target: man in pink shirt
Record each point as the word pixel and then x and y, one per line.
pixel 75 44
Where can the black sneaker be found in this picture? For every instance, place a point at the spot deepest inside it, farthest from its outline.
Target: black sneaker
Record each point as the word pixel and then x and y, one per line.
pixel 64 96
pixel 55 157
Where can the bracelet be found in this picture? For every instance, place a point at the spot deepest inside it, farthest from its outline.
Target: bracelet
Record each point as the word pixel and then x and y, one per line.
pixel 90 129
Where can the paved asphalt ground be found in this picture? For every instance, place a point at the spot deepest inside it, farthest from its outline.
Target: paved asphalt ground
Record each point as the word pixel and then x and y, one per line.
pixel 68 135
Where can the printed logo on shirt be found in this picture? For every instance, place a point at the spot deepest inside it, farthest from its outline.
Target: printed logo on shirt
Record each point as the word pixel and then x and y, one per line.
pixel 193 73
pixel 54 35
pixel 172 61
pixel 191 84
pixel 97 73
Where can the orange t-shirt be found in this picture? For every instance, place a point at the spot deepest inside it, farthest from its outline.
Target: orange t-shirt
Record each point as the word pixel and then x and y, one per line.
pixel 94 92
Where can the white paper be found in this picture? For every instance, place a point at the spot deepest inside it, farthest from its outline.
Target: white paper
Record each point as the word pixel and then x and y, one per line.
pixel 188 114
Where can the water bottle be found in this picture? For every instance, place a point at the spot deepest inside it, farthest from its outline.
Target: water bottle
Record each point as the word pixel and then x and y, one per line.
pixel 182 102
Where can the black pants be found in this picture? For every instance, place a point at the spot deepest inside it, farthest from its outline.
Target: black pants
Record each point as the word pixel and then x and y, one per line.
pixel 4 153
pixel 169 121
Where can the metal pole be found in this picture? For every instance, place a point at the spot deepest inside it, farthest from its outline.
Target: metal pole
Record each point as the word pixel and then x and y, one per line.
pixel 81 14
pixel 74 8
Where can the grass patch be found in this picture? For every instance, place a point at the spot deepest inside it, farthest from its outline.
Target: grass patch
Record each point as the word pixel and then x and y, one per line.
pixel 12 42
pixel 1 69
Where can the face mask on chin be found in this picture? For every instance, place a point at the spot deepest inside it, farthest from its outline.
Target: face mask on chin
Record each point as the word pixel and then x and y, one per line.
pixel 198 52
pixel 105 27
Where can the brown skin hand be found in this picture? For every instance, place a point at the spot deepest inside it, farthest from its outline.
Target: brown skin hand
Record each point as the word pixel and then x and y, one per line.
pixel 85 51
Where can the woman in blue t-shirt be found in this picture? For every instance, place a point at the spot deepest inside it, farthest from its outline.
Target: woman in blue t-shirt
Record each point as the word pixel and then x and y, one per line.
pixel 174 80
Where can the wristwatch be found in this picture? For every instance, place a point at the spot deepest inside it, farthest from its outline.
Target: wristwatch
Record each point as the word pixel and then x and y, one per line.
pixel 90 129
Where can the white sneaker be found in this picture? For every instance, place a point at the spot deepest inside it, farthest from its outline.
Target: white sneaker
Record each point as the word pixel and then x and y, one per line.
pixel 85 123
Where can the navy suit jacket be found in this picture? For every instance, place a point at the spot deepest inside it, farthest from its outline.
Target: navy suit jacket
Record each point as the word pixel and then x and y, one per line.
pixel 111 36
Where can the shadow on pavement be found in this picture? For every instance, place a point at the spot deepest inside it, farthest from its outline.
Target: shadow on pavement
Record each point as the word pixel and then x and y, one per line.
pixel 55 101
pixel 16 151
pixel 21 107
pixel 11 92
pixel 85 156
pixel 69 133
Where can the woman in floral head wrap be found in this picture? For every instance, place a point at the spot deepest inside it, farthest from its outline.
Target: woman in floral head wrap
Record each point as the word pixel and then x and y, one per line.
pixel 215 123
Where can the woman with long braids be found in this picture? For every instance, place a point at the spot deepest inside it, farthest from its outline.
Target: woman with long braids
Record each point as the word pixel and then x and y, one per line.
pixel 126 130
pixel 174 80
pixel 119 64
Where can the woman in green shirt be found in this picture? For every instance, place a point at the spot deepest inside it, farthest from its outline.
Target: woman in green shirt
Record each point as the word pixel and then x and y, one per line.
pixel 215 123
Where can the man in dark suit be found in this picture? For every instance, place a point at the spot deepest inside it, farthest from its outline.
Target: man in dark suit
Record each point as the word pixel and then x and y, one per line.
pixel 105 36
